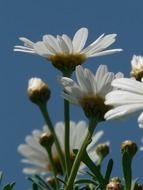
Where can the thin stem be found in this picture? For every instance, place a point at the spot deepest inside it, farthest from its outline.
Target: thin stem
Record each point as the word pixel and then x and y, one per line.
pixel 67 136
pixel 53 167
pixel 76 164
pixel 67 132
pixel 46 116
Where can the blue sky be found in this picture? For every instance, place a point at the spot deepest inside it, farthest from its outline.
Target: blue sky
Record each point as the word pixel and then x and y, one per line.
pixel 32 19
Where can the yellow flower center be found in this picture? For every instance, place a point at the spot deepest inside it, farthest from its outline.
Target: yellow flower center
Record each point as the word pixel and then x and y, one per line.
pixel 67 62
pixel 137 74
pixel 94 105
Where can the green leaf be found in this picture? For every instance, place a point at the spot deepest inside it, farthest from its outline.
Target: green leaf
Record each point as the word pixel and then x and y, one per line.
pixel 108 170
pixel 1 176
pixel 134 183
pixel 9 186
pixel 94 169
pixel 85 181
pixel 40 182
pixel 34 186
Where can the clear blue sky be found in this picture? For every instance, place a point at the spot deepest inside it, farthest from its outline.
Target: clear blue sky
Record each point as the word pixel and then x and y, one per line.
pixel 34 18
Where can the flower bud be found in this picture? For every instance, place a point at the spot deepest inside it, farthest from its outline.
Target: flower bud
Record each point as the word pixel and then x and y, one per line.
pixel 102 150
pixel 46 140
pixel 38 91
pixel 114 185
pixel 52 182
pixel 130 147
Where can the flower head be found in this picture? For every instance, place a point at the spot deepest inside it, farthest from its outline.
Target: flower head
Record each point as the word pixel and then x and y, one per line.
pixel 38 91
pixel 66 53
pixel 90 90
pixel 125 101
pixel 37 156
pixel 137 67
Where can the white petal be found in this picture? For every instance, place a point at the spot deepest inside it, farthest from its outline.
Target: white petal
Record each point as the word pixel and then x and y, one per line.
pixel 24 50
pixel 107 52
pixel 63 45
pixel 90 47
pixel 82 79
pixel 104 43
pixel 122 111
pixel 80 132
pixel 80 39
pixel 119 75
pixel 52 44
pixel 28 43
pixel 140 120
pixel 65 81
pixel 128 85
pixel 70 98
pixel 42 50
pixel 95 139
pixel 105 84
pixel 68 42
pixel 32 171
pixel 119 97
pixel 92 86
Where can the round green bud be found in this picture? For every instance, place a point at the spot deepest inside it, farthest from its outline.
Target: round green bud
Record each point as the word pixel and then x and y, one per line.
pixel 130 147
pixel 46 140
pixel 102 150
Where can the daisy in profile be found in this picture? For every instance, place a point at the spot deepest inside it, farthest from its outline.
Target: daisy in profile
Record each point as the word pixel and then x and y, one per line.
pixel 37 157
pixel 127 100
pixel 66 53
pixel 89 91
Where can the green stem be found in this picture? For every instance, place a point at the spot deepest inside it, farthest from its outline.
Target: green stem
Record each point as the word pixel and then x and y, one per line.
pixel 53 167
pixel 46 116
pixel 67 132
pixel 127 170
pixel 76 164
pixel 67 136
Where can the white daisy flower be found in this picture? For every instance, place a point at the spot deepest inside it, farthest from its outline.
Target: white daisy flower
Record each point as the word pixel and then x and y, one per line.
pixel 90 90
pixel 65 52
pixel 137 67
pixel 37 156
pixel 125 101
